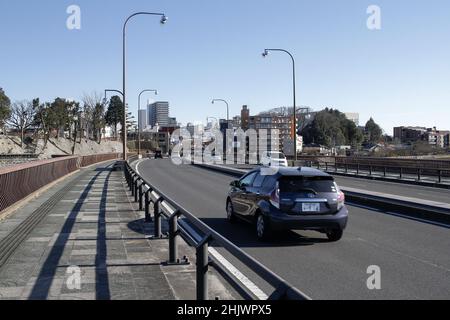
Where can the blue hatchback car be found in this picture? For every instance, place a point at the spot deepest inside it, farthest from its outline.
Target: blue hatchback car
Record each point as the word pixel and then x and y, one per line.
pixel 288 199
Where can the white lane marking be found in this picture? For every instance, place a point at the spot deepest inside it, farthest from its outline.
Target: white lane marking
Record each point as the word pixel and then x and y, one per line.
pixel 137 166
pixel 238 275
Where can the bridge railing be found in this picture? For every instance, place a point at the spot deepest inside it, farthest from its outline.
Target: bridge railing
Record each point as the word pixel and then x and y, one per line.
pixel 419 173
pixel 195 232
pixel 19 181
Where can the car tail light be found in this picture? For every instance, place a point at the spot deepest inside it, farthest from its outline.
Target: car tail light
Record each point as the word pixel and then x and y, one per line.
pixel 275 196
pixel 341 200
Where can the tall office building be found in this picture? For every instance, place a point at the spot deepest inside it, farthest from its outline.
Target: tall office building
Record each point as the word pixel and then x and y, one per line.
pixel 143 120
pixel 158 114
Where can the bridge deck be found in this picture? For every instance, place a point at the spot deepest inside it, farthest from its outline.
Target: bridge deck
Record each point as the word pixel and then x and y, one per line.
pixel 88 222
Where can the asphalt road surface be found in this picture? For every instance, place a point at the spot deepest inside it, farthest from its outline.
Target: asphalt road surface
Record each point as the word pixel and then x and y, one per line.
pixel 414 257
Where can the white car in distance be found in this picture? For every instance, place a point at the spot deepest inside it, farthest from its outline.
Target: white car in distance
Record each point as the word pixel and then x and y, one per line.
pixel 274 159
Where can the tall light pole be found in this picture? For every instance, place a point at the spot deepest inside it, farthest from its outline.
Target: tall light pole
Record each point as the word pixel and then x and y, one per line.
pixel 265 54
pixel 112 90
pixel 124 120
pixel 139 117
pixel 228 109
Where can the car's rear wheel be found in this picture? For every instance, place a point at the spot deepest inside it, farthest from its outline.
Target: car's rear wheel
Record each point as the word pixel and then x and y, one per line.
pixel 263 230
pixel 335 235
pixel 231 217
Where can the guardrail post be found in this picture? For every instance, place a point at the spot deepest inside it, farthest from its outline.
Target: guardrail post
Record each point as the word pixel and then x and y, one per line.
pixel 419 175
pixel 370 170
pixel 157 215
pixel 173 236
pixel 401 173
pixel 439 176
pixel 141 196
pixel 346 168
pixel 148 218
pixel 357 169
pixel 326 166
pixel 385 172
pixel 132 183
pixel 202 268
pixel 127 174
pixel 136 189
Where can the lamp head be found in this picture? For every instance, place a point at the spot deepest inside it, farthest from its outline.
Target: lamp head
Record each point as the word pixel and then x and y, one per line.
pixel 265 53
pixel 164 19
pixel 156 92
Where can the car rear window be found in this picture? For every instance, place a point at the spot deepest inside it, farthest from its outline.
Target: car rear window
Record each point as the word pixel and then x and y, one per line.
pixel 299 184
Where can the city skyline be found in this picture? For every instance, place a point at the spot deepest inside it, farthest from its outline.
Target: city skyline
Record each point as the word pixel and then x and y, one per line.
pixel 395 75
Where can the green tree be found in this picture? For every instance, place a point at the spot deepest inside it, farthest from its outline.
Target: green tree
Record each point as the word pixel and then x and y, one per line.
pixel 374 133
pixel 42 119
pixel 114 114
pixel 5 109
pixel 332 128
pixel 59 115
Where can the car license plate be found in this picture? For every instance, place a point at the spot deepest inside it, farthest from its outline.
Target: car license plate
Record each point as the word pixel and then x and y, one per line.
pixel 311 207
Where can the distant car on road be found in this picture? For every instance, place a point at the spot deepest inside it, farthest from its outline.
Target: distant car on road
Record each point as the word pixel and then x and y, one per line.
pixel 272 159
pixel 290 199
pixel 158 154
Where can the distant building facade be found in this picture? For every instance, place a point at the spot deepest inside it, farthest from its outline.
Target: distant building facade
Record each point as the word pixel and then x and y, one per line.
pixel 143 120
pixel 354 117
pixel 432 136
pixel 158 113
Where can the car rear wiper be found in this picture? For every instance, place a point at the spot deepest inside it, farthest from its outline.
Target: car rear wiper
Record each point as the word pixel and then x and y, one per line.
pixel 308 190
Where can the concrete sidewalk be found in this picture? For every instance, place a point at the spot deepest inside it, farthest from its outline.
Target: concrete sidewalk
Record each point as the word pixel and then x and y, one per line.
pixel 92 232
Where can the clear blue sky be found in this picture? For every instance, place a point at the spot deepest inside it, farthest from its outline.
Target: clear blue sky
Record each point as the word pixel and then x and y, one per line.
pixel 400 75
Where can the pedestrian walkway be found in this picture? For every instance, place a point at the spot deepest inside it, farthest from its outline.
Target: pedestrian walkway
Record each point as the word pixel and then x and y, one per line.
pixel 84 239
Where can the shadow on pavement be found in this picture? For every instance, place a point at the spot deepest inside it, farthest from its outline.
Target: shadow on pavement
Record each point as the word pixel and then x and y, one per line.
pixel 41 288
pixel 243 234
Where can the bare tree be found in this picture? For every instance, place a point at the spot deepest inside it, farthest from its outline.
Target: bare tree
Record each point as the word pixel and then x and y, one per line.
pixel 90 102
pixel 22 117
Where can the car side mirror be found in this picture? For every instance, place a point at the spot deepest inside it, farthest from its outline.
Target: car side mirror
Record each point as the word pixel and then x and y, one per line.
pixel 235 184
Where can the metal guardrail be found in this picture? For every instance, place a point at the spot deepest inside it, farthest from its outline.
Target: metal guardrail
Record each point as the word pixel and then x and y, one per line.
pixel 396 162
pixel 383 170
pixel 147 194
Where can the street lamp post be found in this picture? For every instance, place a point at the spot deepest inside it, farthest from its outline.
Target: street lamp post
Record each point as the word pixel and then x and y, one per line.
pixel 265 54
pixel 124 120
pixel 112 90
pixel 228 109
pixel 139 117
